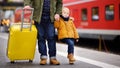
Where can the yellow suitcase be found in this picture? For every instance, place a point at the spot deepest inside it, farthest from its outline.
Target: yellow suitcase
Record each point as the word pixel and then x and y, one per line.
pixel 22 42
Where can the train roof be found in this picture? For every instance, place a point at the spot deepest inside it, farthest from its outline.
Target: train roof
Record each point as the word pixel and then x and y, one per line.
pixel 72 2
pixel 69 1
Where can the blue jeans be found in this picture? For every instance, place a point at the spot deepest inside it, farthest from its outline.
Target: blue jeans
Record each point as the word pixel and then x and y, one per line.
pixel 46 32
pixel 70 42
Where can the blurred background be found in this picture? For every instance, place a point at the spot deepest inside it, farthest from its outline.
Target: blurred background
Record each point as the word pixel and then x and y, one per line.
pixel 97 21
pixel 7 11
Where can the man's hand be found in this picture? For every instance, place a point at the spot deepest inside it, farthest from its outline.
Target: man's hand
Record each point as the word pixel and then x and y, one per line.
pixel 27 7
pixel 57 17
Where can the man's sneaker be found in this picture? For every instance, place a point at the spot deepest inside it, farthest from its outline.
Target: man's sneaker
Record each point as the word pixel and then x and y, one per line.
pixel 54 62
pixel 43 61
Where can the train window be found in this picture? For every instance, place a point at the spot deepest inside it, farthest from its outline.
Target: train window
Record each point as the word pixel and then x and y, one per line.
pixel 109 12
pixel 95 13
pixel 84 14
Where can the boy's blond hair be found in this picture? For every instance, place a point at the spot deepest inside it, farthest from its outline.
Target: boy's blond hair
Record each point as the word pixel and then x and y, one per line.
pixel 65 9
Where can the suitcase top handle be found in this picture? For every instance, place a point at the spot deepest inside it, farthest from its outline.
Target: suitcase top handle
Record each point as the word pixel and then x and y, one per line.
pixel 28 13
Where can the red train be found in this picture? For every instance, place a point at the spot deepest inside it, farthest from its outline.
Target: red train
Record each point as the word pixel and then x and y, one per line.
pixel 96 17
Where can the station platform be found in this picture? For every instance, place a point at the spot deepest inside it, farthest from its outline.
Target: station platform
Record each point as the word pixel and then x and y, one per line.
pixel 85 58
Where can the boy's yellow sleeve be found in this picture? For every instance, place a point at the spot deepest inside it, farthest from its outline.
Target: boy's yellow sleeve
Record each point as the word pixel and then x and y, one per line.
pixel 56 24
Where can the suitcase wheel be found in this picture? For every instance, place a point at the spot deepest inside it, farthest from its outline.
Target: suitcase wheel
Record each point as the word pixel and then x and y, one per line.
pixel 12 62
pixel 30 61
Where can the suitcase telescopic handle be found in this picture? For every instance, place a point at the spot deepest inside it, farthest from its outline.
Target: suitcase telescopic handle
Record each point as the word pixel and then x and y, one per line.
pixel 22 17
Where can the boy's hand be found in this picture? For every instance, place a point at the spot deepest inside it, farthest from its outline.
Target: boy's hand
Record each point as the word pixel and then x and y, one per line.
pixel 77 40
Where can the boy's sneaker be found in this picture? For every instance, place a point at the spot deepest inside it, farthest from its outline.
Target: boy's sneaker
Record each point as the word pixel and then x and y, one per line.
pixel 71 58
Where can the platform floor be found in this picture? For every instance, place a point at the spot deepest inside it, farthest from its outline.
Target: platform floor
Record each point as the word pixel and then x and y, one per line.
pixel 85 58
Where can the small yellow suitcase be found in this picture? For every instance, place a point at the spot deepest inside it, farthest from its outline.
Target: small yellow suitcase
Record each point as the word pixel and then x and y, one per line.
pixel 22 42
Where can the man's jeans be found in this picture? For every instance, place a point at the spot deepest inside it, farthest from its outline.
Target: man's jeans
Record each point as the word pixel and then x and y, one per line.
pixel 70 43
pixel 46 31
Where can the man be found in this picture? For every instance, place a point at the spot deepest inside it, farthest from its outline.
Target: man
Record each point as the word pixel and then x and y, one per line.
pixel 45 11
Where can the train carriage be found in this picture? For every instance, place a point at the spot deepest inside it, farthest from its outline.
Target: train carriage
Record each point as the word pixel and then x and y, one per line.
pixel 96 17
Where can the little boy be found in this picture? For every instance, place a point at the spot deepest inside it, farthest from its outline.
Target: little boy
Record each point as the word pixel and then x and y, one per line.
pixel 67 32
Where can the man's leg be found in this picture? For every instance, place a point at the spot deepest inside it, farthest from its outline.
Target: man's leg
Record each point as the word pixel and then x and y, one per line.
pixel 51 43
pixel 42 43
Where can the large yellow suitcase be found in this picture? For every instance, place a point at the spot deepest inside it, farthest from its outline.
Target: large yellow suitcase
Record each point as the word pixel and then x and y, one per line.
pixel 22 42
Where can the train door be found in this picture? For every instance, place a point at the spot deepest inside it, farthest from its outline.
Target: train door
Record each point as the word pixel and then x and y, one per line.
pixel 75 14
pixel 119 11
